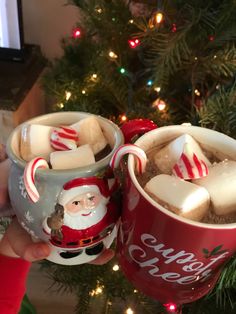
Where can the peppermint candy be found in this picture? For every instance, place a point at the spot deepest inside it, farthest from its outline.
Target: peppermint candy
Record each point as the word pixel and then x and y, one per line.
pixel 29 177
pixel 189 166
pixel 140 156
pixel 64 138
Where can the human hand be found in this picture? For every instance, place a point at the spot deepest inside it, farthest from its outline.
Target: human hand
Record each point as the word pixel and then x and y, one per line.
pixel 4 171
pixel 16 242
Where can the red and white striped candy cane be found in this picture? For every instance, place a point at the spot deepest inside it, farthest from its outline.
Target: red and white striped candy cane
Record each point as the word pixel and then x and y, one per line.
pixel 64 138
pixel 29 174
pixel 140 155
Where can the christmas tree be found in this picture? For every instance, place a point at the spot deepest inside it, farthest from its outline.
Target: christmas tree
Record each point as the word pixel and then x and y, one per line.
pixel 169 61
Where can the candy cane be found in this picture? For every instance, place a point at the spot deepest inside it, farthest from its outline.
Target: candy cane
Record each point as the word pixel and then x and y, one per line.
pixel 140 155
pixel 29 174
pixel 64 138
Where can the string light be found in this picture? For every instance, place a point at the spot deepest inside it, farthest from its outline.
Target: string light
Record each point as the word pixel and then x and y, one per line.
pixel 94 77
pixel 174 28
pixel 159 104
pixel 211 38
pixel 122 70
pixel 157 89
pixel 133 43
pixel 131 21
pixel 76 33
pixel 98 10
pixel 83 92
pixel 158 17
pixel 135 291
pixel 129 311
pixel 149 83
pixel 68 95
pixel 116 267
pixel 97 291
pixel 123 118
pixel 61 105
pixel 112 55
pixel 171 307
pixel 197 92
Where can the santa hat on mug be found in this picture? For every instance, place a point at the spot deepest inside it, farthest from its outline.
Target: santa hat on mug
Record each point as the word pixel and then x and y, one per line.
pixel 80 186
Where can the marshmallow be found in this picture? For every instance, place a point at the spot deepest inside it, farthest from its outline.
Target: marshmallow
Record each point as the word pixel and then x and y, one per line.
pixel 181 197
pixel 90 132
pixel 68 159
pixel 35 141
pixel 221 183
pixel 168 156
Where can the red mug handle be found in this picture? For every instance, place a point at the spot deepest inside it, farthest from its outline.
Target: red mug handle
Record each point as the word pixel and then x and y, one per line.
pixel 136 127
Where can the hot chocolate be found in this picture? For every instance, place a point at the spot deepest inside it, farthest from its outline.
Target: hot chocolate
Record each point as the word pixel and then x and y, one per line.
pixel 200 190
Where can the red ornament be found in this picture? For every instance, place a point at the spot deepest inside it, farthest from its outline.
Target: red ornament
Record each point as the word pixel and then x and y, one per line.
pixel 76 33
pixel 133 43
pixel 211 37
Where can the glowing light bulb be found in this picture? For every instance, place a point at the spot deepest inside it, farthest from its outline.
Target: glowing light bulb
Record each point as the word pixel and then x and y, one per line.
pixel 68 95
pixel 157 89
pixel 122 70
pixel 197 92
pixel 129 311
pixel 159 104
pixel 123 118
pixel 131 21
pixel 174 28
pixel 116 267
pixel 98 10
pixel 159 17
pixel 99 290
pixel 61 105
pixel 76 33
pixel 133 43
pixel 149 83
pixel 83 92
pixel 171 307
pixel 112 55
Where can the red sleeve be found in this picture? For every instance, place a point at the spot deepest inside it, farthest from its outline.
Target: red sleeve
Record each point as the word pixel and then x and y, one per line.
pixel 13 274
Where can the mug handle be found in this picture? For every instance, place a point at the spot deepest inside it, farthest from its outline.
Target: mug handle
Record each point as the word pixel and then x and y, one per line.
pixel 136 127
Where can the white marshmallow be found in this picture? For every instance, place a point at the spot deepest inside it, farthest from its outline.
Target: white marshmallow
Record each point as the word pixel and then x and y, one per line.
pixel 35 141
pixel 68 159
pixel 181 197
pixel 221 185
pixel 167 157
pixel 90 132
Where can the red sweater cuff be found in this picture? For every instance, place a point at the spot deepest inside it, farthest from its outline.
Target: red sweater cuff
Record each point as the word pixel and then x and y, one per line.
pixel 13 275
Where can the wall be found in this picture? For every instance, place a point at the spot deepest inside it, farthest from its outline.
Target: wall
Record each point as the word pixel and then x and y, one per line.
pixel 46 22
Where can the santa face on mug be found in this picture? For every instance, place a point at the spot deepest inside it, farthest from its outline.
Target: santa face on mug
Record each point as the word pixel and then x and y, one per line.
pixel 86 209
pixel 84 215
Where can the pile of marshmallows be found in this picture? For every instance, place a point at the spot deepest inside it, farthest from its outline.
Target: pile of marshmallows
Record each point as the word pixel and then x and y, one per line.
pixel 190 184
pixel 63 147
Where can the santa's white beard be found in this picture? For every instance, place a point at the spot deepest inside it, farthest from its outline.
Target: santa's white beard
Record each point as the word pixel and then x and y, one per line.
pixel 79 222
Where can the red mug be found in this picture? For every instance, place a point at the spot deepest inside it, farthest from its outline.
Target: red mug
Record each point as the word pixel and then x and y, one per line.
pixel 167 257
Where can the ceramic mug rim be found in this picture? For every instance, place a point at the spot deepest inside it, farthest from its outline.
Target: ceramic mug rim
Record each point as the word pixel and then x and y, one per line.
pixel 134 180
pixel 86 170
